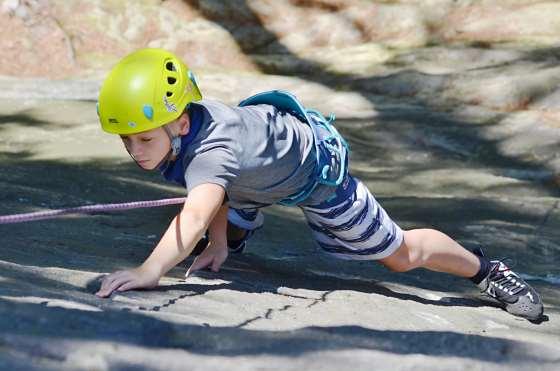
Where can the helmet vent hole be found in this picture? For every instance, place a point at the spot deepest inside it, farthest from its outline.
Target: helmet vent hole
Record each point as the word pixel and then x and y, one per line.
pixel 171 80
pixel 169 93
pixel 170 66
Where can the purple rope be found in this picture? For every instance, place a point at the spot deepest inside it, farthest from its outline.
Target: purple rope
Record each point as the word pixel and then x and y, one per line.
pixel 90 209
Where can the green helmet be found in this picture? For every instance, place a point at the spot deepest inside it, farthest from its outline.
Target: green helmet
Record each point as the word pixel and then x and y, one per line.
pixel 145 90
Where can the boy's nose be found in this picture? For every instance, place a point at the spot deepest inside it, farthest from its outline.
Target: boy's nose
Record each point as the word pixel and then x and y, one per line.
pixel 134 149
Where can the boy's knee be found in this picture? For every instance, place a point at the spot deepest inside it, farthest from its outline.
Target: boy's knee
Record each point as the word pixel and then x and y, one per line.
pixel 399 261
pixel 397 266
pixel 404 259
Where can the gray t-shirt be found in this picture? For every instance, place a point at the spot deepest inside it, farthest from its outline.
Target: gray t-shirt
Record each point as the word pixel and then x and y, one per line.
pixel 258 154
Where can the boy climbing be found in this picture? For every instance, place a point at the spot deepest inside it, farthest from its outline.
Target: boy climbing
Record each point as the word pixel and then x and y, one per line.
pixel 268 150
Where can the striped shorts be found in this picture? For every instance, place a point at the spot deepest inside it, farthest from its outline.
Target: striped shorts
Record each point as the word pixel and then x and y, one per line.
pixel 350 225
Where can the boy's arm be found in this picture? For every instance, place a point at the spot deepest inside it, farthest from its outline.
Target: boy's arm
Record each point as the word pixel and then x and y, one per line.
pixel 185 230
pixel 216 252
pixel 217 231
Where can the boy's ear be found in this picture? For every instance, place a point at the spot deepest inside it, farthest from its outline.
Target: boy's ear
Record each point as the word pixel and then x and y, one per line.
pixel 184 124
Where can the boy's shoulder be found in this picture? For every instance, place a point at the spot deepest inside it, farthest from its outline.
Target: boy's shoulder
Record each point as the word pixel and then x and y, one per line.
pixel 212 103
pixel 214 109
pixel 218 111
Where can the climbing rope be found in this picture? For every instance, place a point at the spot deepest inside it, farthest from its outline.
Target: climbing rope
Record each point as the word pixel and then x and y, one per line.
pixel 89 209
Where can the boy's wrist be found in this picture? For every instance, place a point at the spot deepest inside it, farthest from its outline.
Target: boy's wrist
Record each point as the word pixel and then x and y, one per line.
pixel 153 268
pixel 217 239
pixel 217 244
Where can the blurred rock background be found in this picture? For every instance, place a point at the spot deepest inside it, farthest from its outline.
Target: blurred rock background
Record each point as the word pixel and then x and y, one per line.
pixel 491 62
pixel 56 38
pixel 500 54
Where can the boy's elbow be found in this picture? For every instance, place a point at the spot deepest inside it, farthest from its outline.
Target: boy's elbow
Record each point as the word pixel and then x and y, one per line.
pixel 194 221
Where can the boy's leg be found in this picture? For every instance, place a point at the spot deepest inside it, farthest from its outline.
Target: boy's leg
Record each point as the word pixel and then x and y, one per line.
pixel 354 226
pixel 242 223
pixel 431 249
pixel 434 250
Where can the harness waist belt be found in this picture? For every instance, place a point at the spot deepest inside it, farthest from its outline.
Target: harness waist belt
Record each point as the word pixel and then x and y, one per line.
pixel 331 151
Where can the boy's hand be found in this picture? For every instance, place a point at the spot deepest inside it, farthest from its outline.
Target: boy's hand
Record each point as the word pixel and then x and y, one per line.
pixel 141 277
pixel 213 256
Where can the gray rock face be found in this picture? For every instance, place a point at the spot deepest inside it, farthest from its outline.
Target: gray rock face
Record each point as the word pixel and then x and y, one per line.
pixel 451 111
pixel 470 172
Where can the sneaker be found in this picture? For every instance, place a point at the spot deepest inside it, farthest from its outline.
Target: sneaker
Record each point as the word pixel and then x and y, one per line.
pixel 242 220
pixel 237 246
pixel 511 291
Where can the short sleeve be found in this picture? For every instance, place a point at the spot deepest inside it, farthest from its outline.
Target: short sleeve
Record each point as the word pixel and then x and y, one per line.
pixel 217 165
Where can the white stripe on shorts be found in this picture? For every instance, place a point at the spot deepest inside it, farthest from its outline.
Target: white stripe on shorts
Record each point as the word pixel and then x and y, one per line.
pixel 356 228
pixel 249 219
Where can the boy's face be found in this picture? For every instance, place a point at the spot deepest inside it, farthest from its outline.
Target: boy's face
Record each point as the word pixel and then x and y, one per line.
pixel 150 148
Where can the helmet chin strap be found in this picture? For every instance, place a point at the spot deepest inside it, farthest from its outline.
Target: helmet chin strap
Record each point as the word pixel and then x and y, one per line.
pixel 175 143
pixel 175 147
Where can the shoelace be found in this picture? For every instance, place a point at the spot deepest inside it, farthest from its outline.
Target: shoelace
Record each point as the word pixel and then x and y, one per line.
pixel 510 283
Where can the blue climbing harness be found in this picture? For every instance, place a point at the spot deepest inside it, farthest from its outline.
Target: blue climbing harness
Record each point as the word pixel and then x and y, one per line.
pixel 332 151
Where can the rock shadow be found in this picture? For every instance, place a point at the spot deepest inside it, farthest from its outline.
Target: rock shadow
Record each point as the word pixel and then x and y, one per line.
pixel 30 325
